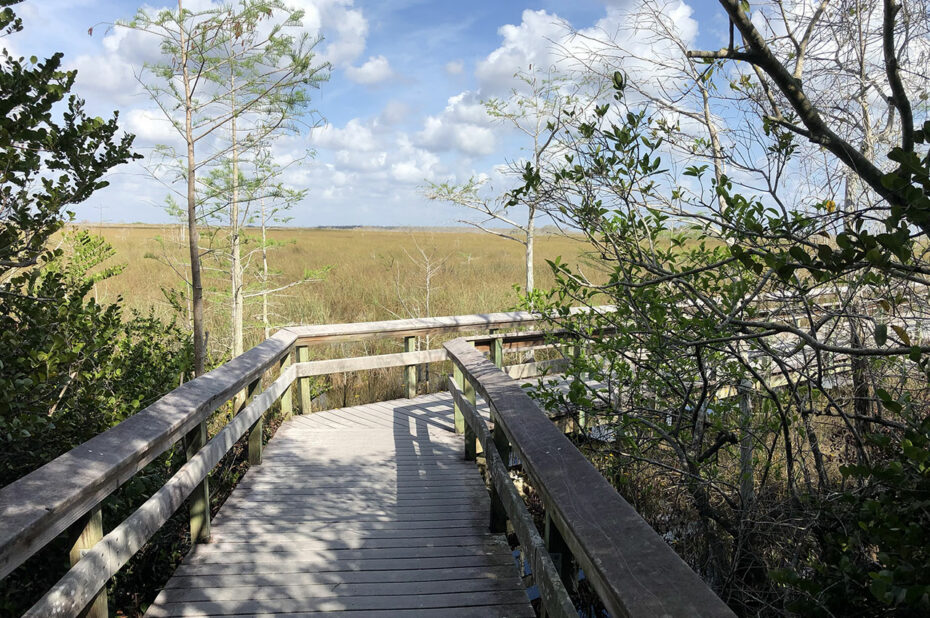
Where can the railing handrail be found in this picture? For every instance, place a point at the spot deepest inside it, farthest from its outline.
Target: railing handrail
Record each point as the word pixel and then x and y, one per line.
pixel 73 592
pixel 631 567
pixel 413 326
pixel 44 503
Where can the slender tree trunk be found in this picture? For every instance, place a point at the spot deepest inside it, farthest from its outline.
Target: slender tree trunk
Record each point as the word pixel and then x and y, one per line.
pixel 530 237
pixel 859 365
pixel 746 482
pixel 238 304
pixel 265 274
pixel 714 142
pixel 200 353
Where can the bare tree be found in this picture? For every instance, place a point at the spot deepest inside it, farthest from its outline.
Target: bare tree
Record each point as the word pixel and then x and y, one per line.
pixel 534 109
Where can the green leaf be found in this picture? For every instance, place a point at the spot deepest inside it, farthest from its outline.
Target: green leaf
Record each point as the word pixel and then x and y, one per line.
pixel 881 334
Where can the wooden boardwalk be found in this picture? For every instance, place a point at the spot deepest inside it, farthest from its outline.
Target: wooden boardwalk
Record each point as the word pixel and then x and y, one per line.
pixel 363 511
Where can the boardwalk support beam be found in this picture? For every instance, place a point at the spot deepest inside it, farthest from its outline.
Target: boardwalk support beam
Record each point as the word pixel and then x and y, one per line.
pixel 199 502
pixel 90 535
pixel 410 371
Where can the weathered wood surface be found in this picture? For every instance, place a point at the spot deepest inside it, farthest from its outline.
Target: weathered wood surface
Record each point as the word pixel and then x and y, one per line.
pixel 552 591
pixel 39 506
pixel 73 592
pixel 363 511
pixel 634 571
pixel 363 363
pixel 416 326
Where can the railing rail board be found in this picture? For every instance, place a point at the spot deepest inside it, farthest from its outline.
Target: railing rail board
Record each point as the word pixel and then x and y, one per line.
pixel 365 363
pixel 415 326
pixel 632 568
pixel 42 504
pixel 78 587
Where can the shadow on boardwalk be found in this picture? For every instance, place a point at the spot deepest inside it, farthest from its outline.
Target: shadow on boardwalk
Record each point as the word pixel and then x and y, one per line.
pixel 367 511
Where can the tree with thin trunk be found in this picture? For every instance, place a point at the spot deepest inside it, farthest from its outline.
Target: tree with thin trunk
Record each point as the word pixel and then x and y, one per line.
pixel 535 109
pixel 230 69
pixel 263 200
pixel 768 266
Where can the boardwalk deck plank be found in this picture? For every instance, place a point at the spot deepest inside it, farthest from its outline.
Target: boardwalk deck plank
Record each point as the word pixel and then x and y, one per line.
pixel 339 578
pixel 364 511
pixel 438 602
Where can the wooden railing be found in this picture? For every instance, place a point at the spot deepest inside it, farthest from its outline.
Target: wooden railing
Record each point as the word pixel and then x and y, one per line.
pixel 66 494
pixel 588 523
pixel 632 569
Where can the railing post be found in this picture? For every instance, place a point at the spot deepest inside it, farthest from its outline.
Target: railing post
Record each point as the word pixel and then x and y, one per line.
pixel 471 441
pixel 557 546
pixel 410 371
pixel 287 398
pixel 303 384
pixel 498 513
pixel 458 417
pixel 461 426
pixel 90 535
pixel 497 353
pixel 576 351
pixel 255 433
pixel 199 500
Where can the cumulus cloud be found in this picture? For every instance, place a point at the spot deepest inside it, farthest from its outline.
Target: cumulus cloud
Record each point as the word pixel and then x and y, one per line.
pixel 376 70
pixel 414 165
pixel 355 135
pixel 109 74
pixel 366 154
pixel 463 126
pixel 532 42
pixel 621 38
pixel 150 127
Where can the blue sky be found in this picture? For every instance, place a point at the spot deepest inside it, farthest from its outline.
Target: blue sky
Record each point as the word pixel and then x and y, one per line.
pixel 402 106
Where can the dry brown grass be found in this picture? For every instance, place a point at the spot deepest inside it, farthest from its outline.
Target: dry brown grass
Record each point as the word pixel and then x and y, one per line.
pixel 372 276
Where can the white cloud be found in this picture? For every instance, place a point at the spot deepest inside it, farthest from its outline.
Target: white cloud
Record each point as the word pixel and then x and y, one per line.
pixel 369 157
pixel 361 161
pixel 376 70
pixel 340 17
pixel 463 125
pixel 454 67
pixel 353 136
pixel 150 127
pixel 621 38
pixel 415 166
pixel 531 42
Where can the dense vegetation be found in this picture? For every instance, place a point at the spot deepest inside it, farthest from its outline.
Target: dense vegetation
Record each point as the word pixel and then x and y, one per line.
pixel 763 391
pixel 759 225
pixel 70 367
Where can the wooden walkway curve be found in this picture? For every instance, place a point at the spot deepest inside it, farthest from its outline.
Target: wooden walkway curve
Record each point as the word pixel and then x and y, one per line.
pixel 369 510
pixel 373 510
